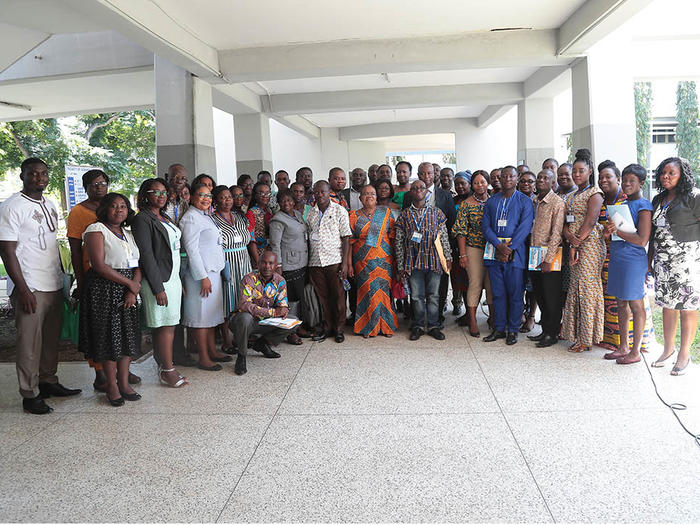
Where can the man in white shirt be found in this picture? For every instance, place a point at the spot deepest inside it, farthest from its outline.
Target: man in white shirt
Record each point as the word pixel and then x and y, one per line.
pixel 29 250
pixel 329 241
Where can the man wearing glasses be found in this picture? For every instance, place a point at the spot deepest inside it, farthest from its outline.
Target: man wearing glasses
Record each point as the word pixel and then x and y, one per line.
pixel 29 249
pixel 418 260
pixel 177 178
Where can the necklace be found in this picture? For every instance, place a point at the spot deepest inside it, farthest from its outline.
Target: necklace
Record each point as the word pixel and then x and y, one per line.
pixel 477 199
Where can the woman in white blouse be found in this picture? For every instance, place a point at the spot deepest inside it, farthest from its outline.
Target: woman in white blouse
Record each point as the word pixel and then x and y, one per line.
pixel 203 301
pixel 109 322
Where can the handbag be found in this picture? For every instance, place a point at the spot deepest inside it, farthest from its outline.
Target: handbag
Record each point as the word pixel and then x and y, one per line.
pixel 397 290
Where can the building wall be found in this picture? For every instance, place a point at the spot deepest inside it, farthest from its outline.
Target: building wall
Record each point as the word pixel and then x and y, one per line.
pixel 490 147
pixel 292 150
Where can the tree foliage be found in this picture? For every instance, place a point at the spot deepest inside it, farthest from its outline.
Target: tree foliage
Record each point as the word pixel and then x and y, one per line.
pixel 643 97
pixel 687 131
pixel 123 144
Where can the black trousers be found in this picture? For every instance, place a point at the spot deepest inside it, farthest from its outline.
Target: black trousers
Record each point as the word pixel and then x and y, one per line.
pixel 442 293
pixel 547 289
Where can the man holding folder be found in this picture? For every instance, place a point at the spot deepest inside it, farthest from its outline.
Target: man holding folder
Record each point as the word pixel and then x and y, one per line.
pixel 506 224
pixel 546 278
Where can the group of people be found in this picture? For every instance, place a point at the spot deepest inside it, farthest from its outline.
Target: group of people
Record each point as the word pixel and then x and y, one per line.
pixel 202 257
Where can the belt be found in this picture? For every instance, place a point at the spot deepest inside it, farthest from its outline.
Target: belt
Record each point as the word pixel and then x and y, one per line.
pixel 231 250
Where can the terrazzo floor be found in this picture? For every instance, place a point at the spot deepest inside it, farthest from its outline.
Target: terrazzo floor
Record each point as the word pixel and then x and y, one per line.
pixel 385 430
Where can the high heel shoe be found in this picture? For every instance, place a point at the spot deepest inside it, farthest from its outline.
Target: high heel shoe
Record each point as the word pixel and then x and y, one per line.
pixel 678 370
pixel 182 381
pixel 660 363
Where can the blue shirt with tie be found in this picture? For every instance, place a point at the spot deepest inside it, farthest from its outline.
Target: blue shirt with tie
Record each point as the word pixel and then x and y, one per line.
pixel 518 213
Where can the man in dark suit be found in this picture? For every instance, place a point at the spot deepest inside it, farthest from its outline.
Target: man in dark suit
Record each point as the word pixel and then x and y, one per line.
pixel 442 200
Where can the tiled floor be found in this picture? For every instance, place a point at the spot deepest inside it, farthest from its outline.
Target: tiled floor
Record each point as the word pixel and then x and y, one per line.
pixel 367 431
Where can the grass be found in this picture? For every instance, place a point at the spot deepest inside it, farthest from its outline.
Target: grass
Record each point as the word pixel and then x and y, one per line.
pixel 657 318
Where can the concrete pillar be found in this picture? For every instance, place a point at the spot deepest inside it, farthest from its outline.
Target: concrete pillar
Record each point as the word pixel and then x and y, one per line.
pixel 334 152
pixel 184 120
pixel 603 104
pixel 253 146
pixel 535 131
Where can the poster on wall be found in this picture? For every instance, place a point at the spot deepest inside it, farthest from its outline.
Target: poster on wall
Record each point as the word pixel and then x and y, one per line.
pixel 75 192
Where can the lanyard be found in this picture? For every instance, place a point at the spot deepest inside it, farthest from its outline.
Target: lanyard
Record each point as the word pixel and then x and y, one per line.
pixel 320 217
pixel 504 210
pixel 418 224
pixel 607 215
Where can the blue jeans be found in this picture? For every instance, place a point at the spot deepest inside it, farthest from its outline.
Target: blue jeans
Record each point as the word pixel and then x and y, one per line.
pixel 425 293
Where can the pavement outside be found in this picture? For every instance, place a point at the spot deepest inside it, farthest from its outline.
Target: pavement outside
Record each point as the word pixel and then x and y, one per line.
pixel 366 431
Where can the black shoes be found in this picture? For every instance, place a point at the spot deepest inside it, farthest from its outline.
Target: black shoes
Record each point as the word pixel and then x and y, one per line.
pixel 240 367
pixel 416 333
pixel 339 337
pixel 261 346
pixel 57 390
pixel 547 341
pixel 437 334
pixel 119 402
pixel 511 338
pixel 496 334
pixel 537 337
pixel 184 360
pixel 130 397
pixel 214 368
pixel 319 336
pixel 222 359
pixel 36 405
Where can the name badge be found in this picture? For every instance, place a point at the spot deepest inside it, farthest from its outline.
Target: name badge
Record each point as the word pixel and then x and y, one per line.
pixel 417 237
pixel 502 223
pixel 570 219
pixel 237 237
pixel 176 245
pixel 661 221
pixel 306 236
pixel 133 262
pixel 218 241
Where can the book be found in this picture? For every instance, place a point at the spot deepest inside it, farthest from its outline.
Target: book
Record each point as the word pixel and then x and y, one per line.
pixel 490 249
pixel 441 255
pixel 621 217
pixel 279 322
pixel 537 255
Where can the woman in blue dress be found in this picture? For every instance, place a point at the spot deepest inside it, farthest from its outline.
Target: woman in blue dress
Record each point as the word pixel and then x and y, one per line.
pixel 628 263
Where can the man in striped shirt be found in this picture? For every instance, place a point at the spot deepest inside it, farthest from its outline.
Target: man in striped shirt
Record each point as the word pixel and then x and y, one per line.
pixel 417 259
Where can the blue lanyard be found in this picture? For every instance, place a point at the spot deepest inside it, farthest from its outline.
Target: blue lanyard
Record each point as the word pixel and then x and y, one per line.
pixel 504 211
pixel 320 217
pixel 417 224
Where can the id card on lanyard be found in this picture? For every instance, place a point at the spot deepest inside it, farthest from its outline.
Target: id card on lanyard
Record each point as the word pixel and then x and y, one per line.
pixel 503 217
pixel 417 235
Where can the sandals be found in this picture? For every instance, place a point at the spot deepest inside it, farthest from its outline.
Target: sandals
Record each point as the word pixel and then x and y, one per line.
pixel 182 381
pixel 578 348
pixel 294 339
pixel 524 329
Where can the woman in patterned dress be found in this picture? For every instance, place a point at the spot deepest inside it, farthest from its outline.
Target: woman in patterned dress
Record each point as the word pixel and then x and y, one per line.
pixel 584 312
pixel 259 216
pixel 237 245
pixel 109 322
pixel 471 243
pixel 674 257
pixel 372 246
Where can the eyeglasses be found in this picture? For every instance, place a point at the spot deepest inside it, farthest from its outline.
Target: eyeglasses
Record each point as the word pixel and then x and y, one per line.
pixel 157 193
pixel 237 196
pixel 98 184
pixel 527 181
pixel 268 194
pixel 204 195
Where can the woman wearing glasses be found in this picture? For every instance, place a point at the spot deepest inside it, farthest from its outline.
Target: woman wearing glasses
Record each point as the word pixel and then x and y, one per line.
pixel 158 240
pixel 203 310
pixel 259 216
pixel 96 183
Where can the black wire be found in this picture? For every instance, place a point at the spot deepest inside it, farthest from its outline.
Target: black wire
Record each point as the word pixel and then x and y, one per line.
pixel 675 407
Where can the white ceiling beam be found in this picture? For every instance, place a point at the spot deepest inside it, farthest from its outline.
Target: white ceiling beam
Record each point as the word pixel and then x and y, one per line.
pixel 300 125
pixel 235 99
pixel 593 21
pixel 77 55
pixel 149 26
pixel 393 98
pixel 23 115
pixel 17 42
pixel 491 114
pixel 548 82
pixel 462 51
pixel 402 128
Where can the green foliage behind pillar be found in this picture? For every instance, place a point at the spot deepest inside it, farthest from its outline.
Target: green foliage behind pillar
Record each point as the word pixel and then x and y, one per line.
pixel 687 131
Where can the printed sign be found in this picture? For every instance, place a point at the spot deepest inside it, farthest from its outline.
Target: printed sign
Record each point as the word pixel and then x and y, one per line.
pixel 75 192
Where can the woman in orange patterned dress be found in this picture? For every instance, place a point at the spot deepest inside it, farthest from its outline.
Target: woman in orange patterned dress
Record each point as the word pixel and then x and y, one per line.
pixel 372 247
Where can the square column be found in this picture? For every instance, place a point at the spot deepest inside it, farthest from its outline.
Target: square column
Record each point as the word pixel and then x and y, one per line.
pixel 184 120
pixel 535 131
pixel 253 147
pixel 603 104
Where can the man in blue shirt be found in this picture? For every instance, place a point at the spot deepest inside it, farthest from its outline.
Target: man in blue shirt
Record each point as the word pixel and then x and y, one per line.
pixel 507 221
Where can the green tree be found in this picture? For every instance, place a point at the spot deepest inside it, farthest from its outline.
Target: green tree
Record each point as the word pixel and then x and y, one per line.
pixel 449 158
pixel 643 97
pixel 687 132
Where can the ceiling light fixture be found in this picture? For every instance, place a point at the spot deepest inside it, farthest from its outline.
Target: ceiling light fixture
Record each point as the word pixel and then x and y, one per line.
pixel 501 29
pixel 15 106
